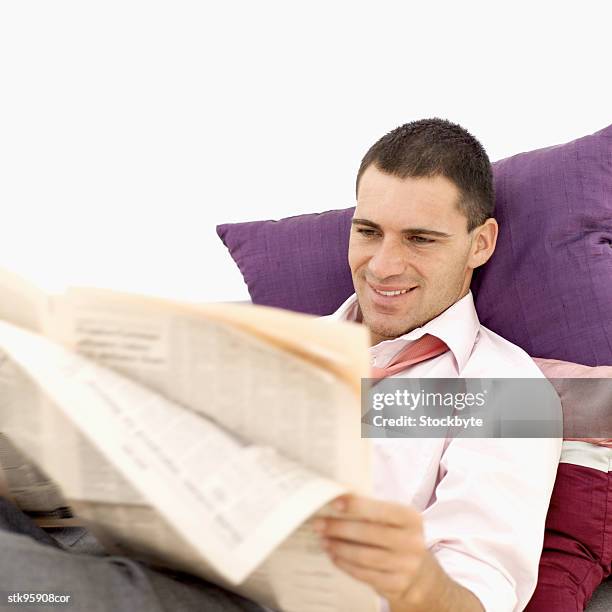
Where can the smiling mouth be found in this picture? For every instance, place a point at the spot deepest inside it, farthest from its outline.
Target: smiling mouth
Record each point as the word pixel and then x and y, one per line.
pixel 390 293
pixel 393 293
pixel 390 302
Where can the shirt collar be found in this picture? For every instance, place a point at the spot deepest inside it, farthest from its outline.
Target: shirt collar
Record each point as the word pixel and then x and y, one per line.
pixel 457 326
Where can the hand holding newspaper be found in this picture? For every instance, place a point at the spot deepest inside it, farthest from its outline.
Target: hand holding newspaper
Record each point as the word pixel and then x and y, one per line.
pixel 201 438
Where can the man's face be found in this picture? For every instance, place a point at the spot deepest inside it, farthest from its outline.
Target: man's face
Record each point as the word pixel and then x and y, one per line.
pixel 408 235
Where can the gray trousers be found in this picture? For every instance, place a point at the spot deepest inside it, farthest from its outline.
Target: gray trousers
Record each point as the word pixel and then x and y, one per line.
pixel 71 562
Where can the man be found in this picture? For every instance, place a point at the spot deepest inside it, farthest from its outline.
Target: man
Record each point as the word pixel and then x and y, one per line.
pixel 456 525
pixel 465 526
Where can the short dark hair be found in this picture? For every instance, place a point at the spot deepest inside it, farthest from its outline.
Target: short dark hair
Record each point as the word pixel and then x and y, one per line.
pixel 432 147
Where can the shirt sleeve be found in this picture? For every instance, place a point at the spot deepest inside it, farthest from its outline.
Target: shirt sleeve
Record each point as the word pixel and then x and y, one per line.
pixel 486 523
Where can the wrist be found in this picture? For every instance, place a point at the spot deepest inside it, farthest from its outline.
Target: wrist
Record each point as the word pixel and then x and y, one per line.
pixel 429 578
pixel 434 590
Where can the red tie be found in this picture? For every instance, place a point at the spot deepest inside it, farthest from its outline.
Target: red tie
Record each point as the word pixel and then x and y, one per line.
pixel 425 347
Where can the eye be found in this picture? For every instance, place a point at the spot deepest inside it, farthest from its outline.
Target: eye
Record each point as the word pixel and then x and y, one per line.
pixel 366 233
pixel 421 240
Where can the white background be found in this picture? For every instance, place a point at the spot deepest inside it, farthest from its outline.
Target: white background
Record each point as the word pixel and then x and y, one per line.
pixel 129 130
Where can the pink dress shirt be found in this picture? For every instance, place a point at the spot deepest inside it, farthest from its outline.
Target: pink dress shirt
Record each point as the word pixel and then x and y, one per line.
pixel 483 501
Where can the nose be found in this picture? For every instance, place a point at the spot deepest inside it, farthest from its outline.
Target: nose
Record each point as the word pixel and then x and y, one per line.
pixel 388 260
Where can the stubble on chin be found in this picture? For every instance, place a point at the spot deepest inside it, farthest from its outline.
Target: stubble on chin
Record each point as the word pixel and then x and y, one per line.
pixel 380 332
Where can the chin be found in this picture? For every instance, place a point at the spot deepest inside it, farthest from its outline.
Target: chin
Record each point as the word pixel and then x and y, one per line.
pixel 387 332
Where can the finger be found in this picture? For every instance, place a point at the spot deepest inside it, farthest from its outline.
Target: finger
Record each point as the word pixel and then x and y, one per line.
pixel 374 534
pixel 376 510
pixel 368 557
pixel 388 584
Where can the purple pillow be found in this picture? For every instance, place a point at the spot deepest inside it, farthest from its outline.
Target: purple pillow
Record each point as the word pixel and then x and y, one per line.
pixel 547 288
pixel 298 263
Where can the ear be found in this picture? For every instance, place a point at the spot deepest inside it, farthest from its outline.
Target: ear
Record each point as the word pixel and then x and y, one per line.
pixel 484 239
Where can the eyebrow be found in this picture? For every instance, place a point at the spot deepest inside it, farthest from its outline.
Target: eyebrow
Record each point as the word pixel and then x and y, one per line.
pixel 411 230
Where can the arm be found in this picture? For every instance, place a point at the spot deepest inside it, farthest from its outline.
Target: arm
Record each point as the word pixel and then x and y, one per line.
pixel 484 528
pixel 382 544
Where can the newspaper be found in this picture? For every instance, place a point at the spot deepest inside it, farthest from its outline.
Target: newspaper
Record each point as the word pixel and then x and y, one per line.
pixel 198 437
